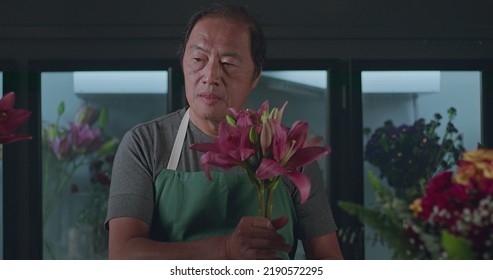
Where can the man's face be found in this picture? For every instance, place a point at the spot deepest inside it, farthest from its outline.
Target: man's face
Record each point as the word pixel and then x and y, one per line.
pixel 218 69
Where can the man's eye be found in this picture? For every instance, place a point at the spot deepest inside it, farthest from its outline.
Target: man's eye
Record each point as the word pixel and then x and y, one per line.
pixel 225 63
pixel 197 63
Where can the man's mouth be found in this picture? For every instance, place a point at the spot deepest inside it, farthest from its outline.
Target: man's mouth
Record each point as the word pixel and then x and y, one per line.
pixel 209 98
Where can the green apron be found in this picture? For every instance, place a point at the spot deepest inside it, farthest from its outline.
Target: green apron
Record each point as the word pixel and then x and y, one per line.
pixel 188 206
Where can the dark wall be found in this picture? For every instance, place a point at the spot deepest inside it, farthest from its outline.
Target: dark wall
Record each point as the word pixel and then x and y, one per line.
pixel 318 29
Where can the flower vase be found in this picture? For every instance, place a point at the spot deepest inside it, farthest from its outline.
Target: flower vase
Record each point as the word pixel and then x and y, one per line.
pixel 79 242
pixel 87 238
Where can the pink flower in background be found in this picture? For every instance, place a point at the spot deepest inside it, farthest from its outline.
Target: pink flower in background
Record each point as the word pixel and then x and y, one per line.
pixel 79 139
pixel 71 148
pixel 258 142
pixel 11 119
pixel 84 139
pixel 86 114
pixel 62 148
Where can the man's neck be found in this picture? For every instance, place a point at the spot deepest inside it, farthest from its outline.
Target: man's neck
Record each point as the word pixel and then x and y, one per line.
pixel 208 127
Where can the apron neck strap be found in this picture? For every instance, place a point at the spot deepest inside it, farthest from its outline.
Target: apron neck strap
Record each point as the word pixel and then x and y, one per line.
pixel 174 158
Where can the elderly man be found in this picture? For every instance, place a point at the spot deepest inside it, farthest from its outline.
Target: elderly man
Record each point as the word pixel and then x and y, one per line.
pixel 162 207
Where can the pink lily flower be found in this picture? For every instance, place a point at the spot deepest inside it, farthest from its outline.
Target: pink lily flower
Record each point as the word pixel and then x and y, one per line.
pixel 62 148
pixel 258 142
pixel 232 147
pixel 84 139
pixel 290 152
pixel 11 119
pixel 249 117
pixel 86 114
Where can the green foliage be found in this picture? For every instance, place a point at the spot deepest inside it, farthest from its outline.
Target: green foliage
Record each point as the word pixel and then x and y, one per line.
pixel 457 247
pixel 406 156
pixel 386 218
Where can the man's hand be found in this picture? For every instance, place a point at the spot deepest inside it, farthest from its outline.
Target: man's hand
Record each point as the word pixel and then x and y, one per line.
pixel 256 238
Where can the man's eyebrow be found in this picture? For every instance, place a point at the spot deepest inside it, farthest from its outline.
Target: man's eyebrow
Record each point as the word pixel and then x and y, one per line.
pixel 197 47
pixel 232 54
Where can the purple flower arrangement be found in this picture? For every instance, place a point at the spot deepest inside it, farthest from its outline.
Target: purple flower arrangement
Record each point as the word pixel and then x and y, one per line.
pixel 408 155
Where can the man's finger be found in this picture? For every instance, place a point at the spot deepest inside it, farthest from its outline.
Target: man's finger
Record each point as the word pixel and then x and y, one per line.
pixel 280 222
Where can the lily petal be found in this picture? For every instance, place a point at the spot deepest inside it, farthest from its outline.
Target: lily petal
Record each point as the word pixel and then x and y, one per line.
pixel 315 141
pixel 298 133
pixel 245 149
pixel 302 183
pixel 306 156
pixel 263 108
pixel 7 101
pixel 207 170
pixel 221 160
pixel 266 137
pixel 204 147
pixel 279 147
pixel 269 168
pixel 14 118
pixel 281 111
pixel 7 139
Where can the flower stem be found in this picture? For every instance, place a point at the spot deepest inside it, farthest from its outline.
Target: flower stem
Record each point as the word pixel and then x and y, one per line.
pixel 270 195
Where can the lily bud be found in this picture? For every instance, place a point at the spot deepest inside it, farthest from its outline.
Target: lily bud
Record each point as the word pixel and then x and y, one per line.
pixel 264 117
pixel 86 114
pixel 254 137
pixel 52 132
pixel 281 111
pixel 103 118
pixel 274 113
pixel 231 120
pixel 108 147
pixel 266 136
pixel 61 108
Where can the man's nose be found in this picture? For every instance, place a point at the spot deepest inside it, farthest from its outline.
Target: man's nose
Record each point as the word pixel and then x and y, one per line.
pixel 212 72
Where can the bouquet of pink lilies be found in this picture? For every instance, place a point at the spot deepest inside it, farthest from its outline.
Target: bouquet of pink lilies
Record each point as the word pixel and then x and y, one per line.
pixel 258 142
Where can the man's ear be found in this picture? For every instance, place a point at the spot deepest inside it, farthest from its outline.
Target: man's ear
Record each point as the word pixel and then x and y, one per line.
pixel 255 81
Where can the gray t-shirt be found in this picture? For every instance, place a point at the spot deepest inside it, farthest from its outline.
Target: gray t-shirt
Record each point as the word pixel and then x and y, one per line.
pixel 144 152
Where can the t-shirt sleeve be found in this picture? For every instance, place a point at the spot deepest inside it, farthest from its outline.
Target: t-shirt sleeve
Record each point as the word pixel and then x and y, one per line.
pixel 314 216
pixel 131 190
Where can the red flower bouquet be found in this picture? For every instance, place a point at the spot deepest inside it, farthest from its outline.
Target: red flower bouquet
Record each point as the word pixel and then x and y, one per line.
pixel 457 209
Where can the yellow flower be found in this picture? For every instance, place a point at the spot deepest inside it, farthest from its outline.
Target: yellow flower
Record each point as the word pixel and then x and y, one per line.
pixel 478 155
pixel 416 206
pixel 475 164
pixel 488 170
pixel 465 172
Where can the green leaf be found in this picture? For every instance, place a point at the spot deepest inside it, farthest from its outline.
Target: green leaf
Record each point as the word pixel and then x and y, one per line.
pixel 457 247
pixel 61 108
pixel 386 227
pixel 481 146
pixel 103 118
pixel 384 195
pixel 108 147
